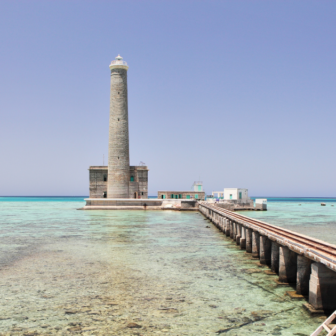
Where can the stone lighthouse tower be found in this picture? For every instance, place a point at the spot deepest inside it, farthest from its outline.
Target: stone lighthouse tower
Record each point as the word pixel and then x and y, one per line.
pixel 118 154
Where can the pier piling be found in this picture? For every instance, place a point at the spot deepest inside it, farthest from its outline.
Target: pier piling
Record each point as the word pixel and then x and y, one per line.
pixel 227 232
pixel 238 226
pixel 243 238
pixel 275 258
pixel 287 265
pixel 303 275
pixel 265 250
pixel 249 240
pixel 234 231
pixel 322 287
pixel 255 244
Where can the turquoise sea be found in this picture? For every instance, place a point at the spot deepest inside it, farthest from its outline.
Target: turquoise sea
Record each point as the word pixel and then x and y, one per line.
pixel 65 271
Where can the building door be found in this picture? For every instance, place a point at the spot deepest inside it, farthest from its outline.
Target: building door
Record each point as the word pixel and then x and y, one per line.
pixel 240 195
pixel 230 196
pixel 135 195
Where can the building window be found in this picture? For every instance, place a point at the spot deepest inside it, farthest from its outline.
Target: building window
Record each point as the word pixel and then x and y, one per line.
pixel 196 195
pixel 105 194
pixel 230 196
pixel 180 195
pixel 188 196
pixel 240 195
pixel 172 195
pixel 132 178
pixel 142 193
pixel 105 178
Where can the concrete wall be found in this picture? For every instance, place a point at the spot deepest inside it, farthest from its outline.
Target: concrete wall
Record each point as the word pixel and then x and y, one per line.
pixel 140 204
pixel 184 194
pixel 139 187
pixel 121 202
pixel 97 184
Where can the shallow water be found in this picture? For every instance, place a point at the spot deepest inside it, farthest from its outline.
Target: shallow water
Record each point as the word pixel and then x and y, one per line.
pixel 93 272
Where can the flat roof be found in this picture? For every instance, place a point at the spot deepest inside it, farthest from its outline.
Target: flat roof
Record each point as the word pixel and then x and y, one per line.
pixel 106 167
pixel 177 191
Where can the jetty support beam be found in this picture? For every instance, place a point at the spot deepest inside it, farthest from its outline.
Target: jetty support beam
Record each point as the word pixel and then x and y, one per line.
pixel 287 265
pixel 227 232
pixel 265 250
pixel 303 275
pixel 243 238
pixel 255 244
pixel 322 287
pixel 234 231
pixel 249 240
pixel 239 228
pixel 275 258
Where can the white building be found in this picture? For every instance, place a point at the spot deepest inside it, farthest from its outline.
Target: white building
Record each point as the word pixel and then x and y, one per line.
pixel 198 186
pixel 236 194
pixel 218 194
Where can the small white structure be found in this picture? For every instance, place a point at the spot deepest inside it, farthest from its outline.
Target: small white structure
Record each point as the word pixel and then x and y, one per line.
pixel 236 194
pixel 218 194
pixel 198 186
pixel 261 204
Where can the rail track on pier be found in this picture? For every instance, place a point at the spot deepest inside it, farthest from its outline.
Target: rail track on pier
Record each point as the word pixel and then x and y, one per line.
pixel 312 248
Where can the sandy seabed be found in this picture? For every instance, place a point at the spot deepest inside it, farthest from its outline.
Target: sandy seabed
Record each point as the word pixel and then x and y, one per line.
pixel 134 273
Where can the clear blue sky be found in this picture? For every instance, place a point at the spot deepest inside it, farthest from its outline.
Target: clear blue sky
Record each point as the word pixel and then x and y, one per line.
pixel 236 93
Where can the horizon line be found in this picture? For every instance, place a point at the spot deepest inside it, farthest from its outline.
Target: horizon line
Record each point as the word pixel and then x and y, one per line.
pixel 156 196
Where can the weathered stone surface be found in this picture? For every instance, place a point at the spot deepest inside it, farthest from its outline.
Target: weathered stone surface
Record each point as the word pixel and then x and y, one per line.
pixel 249 240
pixel 287 265
pixel 118 155
pixel 275 258
pixel 265 250
pixel 322 287
pixel 255 244
pixel 303 275
pixel 133 325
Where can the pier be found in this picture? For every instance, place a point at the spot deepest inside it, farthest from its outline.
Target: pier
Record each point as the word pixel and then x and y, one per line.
pixel 307 264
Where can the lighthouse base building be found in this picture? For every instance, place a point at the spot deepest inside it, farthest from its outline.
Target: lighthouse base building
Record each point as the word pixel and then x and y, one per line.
pixel 137 187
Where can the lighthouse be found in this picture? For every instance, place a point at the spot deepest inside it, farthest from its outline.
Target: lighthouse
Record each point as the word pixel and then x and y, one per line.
pixel 118 180
pixel 118 152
